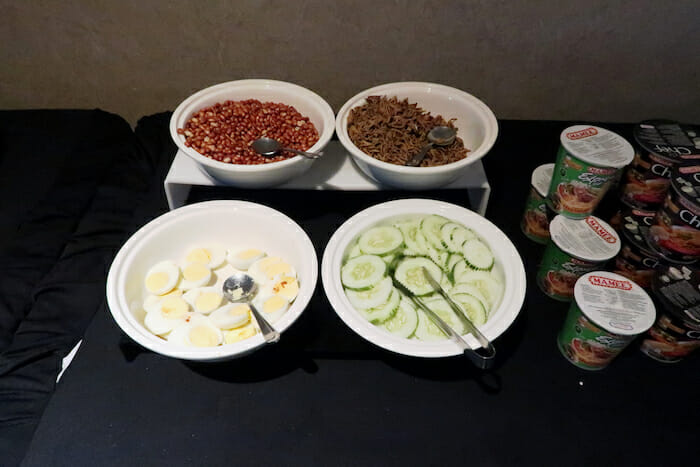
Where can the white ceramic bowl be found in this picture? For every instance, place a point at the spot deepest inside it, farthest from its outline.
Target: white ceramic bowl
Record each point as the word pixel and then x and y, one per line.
pixel 223 222
pixel 508 262
pixel 305 101
pixel 476 123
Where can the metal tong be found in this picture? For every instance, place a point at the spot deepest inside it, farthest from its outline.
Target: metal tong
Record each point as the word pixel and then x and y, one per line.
pixel 483 357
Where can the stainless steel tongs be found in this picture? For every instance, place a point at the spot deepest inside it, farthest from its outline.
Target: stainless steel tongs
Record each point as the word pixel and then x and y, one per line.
pixel 483 357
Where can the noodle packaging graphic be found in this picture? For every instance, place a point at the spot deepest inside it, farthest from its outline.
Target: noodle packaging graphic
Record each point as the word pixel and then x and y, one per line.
pixel 588 161
pixel 661 146
pixel 535 220
pixel 576 247
pixel 676 229
pixel 607 313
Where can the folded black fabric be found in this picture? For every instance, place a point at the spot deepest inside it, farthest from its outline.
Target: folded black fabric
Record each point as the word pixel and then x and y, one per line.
pixel 96 181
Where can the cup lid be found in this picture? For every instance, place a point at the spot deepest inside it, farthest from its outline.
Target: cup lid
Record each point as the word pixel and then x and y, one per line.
pixel 542 178
pixel 588 239
pixel 597 146
pixel 677 288
pixel 614 303
pixel 668 139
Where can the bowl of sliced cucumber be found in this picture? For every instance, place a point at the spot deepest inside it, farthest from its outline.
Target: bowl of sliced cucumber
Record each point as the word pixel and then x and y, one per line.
pixel 389 243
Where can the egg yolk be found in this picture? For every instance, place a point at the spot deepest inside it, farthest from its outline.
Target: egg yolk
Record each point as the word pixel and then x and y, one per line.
pixel 239 334
pixel 273 304
pixel 247 254
pixel 195 272
pixel 288 287
pixel 199 255
pixel 157 281
pixel 173 307
pixel 203 336
pixel 277 269
pixel 207 301
pixel 239 309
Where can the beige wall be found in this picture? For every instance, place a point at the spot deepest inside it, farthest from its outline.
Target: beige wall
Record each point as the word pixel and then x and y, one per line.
pixel 555 59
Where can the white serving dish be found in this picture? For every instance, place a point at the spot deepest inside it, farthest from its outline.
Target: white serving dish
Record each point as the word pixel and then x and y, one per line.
pixel 305 101
pixel 476 123
pixel 508 262
pixel 235 223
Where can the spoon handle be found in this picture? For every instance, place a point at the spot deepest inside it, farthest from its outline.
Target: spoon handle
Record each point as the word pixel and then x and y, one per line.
pixel 268 332
pixel 310 155
pixel 419 156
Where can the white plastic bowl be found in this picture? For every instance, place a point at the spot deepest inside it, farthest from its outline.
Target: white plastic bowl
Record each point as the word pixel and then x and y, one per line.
pixel 508 261
pixel 223 222
pixel 305 101
pixel 476 123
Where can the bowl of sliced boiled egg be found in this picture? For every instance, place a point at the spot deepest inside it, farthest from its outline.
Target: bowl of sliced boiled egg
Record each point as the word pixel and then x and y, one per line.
pixel 393 243
pixel 164 287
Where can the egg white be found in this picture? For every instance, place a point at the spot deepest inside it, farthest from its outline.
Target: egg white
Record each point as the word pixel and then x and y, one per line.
pixel 185 333
pixel 243 258
pixel 188 284
pixel 239 334
pixel 171 272
pixel 159 322
pixel 192 296
pixel 232 315
pixel 212 256
pixel 286 286
pixel 272 307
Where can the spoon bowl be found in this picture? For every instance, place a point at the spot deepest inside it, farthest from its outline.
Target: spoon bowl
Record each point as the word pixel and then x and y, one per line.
pixel 242 288
pixel 438 136
pixel 269 147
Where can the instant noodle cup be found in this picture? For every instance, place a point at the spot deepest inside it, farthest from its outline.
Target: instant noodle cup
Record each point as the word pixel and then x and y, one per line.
pixel 535 220
pixel 607 313
pixel 676 229
pixel 577 246
pixel 588 160
pixel 660 146
pixel 676 332
pixel 636 260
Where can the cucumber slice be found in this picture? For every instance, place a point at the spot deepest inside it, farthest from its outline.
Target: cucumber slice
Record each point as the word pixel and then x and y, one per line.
pixel 427 330
pixel 409 272
pixel 459 236
pixel 405 321
pixel 353 252
pixel 372 297
pixel 446 234
pixel 438 257
pixel 362 272
pixel 421 243
pixel 459 269
pixel 443 309
pixel 409 230
pixel 451 261
pixel 430 227
pixel 490 287
pixel 477 254
pixel 472 290
pixel 381 240
pixel 473 308
pixel 384 312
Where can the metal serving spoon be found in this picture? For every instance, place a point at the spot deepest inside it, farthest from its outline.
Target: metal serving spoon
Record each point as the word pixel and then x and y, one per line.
pixel 268 147
pixel 438 136
pixel 241 288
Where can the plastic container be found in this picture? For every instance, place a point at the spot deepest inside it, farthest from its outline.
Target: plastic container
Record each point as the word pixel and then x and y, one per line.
pixel 676 332
pixel 576 247
pixel 535 220
pixel 660 146
pixel 676 229
pixel 608 312
pixel 588 160
pixel 636 260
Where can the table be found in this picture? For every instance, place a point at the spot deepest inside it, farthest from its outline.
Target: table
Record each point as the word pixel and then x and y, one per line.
pixel 323 396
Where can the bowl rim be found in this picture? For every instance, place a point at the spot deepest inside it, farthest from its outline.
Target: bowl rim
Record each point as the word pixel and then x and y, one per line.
pixel 121 311
pixel 508 309
pixel 491 132
pixel 323 138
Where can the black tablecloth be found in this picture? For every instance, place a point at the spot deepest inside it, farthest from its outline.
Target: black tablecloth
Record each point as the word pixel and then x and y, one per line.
pixel 324 396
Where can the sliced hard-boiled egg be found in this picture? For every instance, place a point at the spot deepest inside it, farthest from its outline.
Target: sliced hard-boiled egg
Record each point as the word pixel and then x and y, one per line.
pixel 286 286
pixel 162 277
pixel 257 269
pixel 280 269
pixel 170 313
pixel 273 307
pixel 195 275
pixel 239 334
pixel 152 302
pixel 243 258
pixel 231 316
pixel 196 331
pixel 211 256
pixel 204 299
